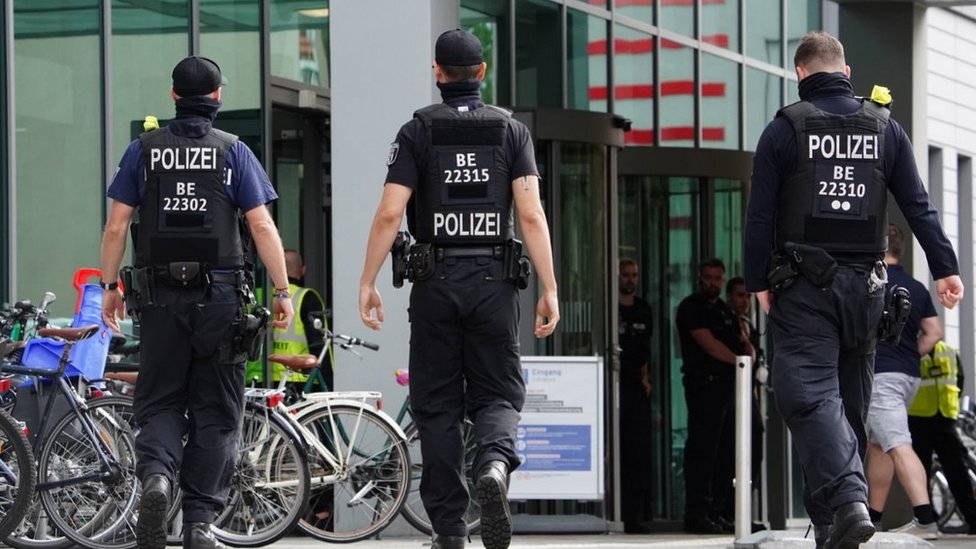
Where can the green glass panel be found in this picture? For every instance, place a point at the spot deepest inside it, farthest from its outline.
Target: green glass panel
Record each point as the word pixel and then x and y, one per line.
pixel 58 120
pixel 633 73
pixel 720 24
pixel 538 51
pixel 642 11
pixel 676 101
pixel 300 40
pixel 586 72
pixel 147 42
pixel 582 186
pixel 762 102
pixel 488 20
pixel 678 17
pixel 802 16
pixel 719 103
pixel 728 217
pixel 764 36
pixel 230 35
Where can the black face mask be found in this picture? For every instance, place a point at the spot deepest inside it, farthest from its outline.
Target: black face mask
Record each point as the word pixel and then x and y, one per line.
pixel 823 84
pixel 202 106
pixel 462 92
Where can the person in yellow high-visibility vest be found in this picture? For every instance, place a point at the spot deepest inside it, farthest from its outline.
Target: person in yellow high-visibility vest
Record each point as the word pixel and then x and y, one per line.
pixel 301 337
pixel 932 421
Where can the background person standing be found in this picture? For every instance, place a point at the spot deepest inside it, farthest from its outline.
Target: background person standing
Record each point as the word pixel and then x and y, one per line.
pixel 636 327
pixel 463 163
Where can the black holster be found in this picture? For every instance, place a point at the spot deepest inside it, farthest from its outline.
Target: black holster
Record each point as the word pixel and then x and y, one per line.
pixel 139 291
pixel 813 263
pixel 250 329
pixel 898 306
pixel 517 266
pixel 400 253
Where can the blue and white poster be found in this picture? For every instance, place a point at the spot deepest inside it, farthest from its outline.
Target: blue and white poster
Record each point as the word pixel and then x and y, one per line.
pixel 560 437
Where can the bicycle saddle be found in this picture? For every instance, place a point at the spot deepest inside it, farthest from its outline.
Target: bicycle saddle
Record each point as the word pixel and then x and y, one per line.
pixel 70 334
pixel 295 362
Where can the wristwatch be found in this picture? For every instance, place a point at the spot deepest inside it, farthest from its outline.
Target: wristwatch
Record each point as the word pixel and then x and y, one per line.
pixel 282 293
pixel 108 285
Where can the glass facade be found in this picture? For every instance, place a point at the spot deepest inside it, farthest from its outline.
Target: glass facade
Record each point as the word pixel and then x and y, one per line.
pixel 719 103
pixel 58 118
pixel 538 47
pixel 584 72
pixel 488 20
pixel 633 71
pixel 300 40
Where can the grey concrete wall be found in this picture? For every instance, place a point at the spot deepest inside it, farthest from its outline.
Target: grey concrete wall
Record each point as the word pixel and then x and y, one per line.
pixel 381 58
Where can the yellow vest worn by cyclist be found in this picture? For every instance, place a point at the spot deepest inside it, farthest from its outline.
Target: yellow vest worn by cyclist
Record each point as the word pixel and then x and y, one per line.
pixel 287 341
pixel 939 392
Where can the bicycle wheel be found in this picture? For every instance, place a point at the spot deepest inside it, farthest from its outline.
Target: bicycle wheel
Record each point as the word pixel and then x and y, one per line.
pixel 36 531
pixel 371 481
pixel 270 487
pixel 413 508
pixel 98 513
pixel 943 503
pixel 16 474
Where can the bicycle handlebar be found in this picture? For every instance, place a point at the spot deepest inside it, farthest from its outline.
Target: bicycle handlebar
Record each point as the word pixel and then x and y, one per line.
pixel 349 341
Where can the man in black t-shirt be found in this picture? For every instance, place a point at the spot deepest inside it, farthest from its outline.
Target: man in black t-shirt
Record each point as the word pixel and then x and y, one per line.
pixel 635 328
pixel 711 337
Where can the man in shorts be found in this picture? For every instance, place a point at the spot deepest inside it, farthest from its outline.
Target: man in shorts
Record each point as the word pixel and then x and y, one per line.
pixel 896 378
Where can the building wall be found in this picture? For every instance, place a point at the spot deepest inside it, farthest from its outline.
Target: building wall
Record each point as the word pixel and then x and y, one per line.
pixel 951 104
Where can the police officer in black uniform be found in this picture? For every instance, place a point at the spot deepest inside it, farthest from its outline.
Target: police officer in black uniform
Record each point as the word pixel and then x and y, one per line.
pixel 815 236
pixel 190 184
pixel 635 325
pixel 460 165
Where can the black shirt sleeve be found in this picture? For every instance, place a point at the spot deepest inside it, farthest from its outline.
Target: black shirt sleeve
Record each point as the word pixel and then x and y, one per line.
pixel 760 230
pixel 906 186
pixel 521 150
pixel 405 161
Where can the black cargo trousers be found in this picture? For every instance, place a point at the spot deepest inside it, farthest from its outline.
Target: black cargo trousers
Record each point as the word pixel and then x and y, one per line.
pixel 190 385
pixel 824 343
pixel 464 358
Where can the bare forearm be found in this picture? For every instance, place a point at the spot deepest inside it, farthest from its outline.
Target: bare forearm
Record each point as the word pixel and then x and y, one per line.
pixel 535 231
pixel 381 236
pixel 268 244
pixel 113 249
pixel 926 342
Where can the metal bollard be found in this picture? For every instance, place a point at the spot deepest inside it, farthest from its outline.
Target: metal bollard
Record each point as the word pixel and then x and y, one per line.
pixel 743 446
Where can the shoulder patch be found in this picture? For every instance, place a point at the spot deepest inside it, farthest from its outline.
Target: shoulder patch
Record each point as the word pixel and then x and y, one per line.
pixel 392 155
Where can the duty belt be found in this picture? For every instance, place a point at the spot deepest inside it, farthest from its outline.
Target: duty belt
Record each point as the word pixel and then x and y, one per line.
pixel 495 252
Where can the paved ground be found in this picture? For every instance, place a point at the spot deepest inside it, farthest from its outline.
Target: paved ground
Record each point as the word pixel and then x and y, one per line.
pixel 793 540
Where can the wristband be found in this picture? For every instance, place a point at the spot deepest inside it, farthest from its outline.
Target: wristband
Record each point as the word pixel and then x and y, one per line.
pixel 108 285
pixel 282 295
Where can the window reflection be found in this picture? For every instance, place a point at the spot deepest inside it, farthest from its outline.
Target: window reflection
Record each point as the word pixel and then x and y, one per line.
pixel 537 54
pixel 146 43
pixel 300 40
pixel 678 17
pixel 586 63
pixel 230 35
pixel 762 102
pixel 640 10
pixel 720 24
pixel 801 17
pixel 719 103
pixel 58 156
pixel 677 95
pixel 764 39
pixel 633 71
pixel 488 20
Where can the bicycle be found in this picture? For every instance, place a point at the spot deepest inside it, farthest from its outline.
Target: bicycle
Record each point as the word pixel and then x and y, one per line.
pixel 357 454
pixel 413 509
pixel 86 463
pixel 939 493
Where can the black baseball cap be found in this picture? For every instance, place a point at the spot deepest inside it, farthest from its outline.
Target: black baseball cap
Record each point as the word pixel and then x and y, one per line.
pixel 197 75
pixel 458 48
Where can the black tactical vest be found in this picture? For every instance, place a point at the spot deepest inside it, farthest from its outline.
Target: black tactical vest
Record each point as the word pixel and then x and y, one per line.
pixel 185 213
pixel 837 199
pixel 465 196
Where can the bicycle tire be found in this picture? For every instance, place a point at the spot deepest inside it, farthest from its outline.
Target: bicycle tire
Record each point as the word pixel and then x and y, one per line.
pixel 941 498
pixel 372 485
pixel 413 508
pixel 107 519
pixel 18 461
pixel 35 531
pixel 270 487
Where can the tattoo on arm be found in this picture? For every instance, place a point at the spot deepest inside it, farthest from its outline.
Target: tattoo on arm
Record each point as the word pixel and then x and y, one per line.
pixel 526 186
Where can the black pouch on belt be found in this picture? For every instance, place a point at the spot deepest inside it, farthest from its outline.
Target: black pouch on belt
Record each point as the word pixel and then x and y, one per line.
pixel 815 264
pixel 422 261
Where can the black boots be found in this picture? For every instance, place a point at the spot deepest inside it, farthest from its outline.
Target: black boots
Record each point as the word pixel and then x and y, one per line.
pixel 496 519
pixel 197 535
pixel 151 525
pixel 448 542
pixel 852 527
